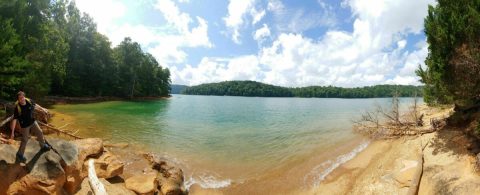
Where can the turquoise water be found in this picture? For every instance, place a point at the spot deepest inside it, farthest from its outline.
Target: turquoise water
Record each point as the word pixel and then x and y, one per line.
pixel 224 139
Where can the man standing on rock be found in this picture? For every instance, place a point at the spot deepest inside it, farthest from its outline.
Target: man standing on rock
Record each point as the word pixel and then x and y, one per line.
pixel 24 109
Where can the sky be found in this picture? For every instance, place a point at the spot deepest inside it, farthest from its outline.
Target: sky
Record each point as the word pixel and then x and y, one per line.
pixel 346 43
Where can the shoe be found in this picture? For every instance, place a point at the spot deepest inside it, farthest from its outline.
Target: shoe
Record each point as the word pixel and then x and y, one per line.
pixel 21 158
pixel 46 147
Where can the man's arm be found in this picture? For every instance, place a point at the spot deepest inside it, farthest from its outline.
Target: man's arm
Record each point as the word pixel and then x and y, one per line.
pixel 13 123
pixel 12 127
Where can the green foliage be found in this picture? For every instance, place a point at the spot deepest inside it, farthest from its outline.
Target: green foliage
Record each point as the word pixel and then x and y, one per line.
pixel 49 47
pixel 453 34
pixel 252 88
pixel 12 65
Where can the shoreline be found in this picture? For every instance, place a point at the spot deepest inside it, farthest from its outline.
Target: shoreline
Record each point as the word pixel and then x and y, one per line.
pixel 59 100
pixel 388 166
pixel 384 166
pixel 295 171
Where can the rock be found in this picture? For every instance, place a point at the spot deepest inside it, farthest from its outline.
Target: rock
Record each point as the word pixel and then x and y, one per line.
pixel 142 184
pixel 47 170
pixel 89 147
pixel 170 187
pixel 170 178
pixel 112 189
pixel 86 148
pixel 405 175
pixel 106 166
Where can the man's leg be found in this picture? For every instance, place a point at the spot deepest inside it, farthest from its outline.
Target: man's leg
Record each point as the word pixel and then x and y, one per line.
pixel 39 133
pixel 25 136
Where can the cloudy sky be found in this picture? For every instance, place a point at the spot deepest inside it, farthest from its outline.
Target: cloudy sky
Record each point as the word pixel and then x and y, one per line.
pixel 345 43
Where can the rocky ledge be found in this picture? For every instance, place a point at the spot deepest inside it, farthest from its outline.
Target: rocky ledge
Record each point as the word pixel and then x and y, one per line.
pixel 66 172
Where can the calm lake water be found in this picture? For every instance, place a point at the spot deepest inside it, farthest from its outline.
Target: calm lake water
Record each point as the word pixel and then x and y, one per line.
pixel 227 142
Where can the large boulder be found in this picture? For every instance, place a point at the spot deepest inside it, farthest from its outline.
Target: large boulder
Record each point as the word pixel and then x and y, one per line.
pixel 106 166
pixel 89 147
pixel 86 148
pixel 142 184
pixel 170 178
pixel 44 172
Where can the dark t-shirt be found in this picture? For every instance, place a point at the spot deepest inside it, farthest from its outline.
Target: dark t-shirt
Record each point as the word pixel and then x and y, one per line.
pixel 25 118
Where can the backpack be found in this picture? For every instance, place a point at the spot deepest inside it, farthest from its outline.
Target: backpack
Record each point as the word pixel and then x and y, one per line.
pixel 19 109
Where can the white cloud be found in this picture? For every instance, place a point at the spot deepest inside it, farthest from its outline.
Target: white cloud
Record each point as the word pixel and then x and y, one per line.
pixel 219 69
pixel 298 20
pixel 376 50
pixel 373 53
pixel 165 42
pixel 235 18
pixel 262 33
pixel 173 15
pixel 275 6
pixel 100 11
pixel 257 15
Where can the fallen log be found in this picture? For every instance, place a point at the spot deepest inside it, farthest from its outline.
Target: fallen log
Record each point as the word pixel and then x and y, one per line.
pixel 60 131
pixel 95 184
pixel 4 122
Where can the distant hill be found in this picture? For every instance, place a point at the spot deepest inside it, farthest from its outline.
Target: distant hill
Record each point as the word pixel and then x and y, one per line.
pixel 177 89
pixel 257 89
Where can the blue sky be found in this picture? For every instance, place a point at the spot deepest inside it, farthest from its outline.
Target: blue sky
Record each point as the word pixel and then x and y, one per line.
pixel 345 43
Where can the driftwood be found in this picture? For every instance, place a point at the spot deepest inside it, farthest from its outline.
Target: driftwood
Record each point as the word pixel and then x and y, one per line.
pixel 391 123
pixel 95 184
pixel 60 131
pixel 7 120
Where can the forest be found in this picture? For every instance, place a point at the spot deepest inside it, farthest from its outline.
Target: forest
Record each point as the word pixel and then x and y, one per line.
pixel 48 47
pixel 257 89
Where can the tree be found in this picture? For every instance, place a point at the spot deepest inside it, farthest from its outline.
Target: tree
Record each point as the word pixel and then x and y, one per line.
pixel 452 64
pixel 49 47
pixel 12 65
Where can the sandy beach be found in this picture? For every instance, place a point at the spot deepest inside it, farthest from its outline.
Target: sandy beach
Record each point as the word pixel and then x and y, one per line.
pixel 388 166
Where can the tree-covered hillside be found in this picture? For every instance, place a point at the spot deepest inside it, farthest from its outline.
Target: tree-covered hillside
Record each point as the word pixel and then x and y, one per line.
pixel 177 89
pixel 49 47
pixel 252 88
pixel 239 88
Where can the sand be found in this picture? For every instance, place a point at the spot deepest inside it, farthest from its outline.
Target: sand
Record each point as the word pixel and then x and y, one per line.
pixel 388 166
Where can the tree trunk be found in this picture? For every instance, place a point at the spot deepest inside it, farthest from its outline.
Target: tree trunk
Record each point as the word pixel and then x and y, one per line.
pixel 133 88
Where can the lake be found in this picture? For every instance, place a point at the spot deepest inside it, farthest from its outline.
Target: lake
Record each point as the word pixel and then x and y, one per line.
pixel 237 144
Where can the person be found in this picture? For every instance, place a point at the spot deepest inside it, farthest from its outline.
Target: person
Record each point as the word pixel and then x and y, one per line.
pixel 24 109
